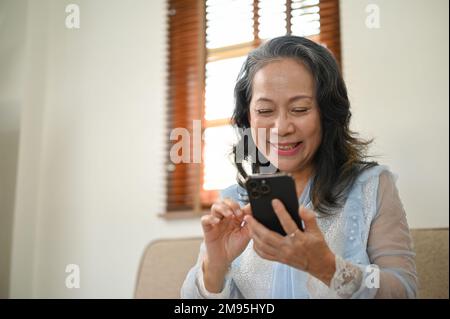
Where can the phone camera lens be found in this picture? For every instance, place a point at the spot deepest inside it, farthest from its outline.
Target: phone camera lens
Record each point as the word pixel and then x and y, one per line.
pixel 253 184
pixel 255 194
pixel 265 189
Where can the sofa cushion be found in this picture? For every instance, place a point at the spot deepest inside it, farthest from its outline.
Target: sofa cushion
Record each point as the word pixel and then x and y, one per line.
pixel 164 266
pixel 431 246
pixel 165 263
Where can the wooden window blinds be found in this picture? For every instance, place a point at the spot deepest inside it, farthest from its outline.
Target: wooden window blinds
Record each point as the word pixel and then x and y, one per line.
pixel 207 44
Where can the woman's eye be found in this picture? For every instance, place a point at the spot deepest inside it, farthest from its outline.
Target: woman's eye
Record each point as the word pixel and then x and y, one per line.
pixel 299 110
pixel 264 111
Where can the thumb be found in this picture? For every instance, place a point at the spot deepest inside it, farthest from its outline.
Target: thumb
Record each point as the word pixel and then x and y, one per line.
pixel 309 219
pixel 247 210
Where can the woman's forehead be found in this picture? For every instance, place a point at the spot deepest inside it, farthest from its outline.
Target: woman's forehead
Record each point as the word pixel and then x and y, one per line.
pixel 283 77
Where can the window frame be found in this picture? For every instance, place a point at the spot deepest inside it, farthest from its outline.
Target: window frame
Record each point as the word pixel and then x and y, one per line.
pixel 202 199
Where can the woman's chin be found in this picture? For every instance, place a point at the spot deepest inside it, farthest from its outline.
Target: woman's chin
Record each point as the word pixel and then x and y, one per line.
pixel 287 167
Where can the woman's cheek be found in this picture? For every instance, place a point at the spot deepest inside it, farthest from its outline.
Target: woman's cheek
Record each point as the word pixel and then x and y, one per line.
pixel 260 132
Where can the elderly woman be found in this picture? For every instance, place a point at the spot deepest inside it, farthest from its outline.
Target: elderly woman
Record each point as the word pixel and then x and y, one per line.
pixel 356 242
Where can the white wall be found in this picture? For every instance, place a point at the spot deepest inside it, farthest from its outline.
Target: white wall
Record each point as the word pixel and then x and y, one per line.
pixel 91 180
pixel 12 33
pixel 397 78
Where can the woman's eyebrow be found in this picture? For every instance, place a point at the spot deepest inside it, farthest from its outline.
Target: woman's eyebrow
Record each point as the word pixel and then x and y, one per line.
pixel 299 97
pixel 294 98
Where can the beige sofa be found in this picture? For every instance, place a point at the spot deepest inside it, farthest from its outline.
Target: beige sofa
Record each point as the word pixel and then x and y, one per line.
pixel 165 263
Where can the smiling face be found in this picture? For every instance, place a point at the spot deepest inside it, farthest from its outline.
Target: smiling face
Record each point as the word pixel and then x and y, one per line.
pixel 284 105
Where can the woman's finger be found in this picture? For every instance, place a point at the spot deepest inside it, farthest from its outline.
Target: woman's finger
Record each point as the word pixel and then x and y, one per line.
pixel 247 210
pixel 265 246
pixel 309 218
pixel 221 210
pixel 234 206
pixel 288 224
pixel 263 254
pixel 208 221
pixel 257 229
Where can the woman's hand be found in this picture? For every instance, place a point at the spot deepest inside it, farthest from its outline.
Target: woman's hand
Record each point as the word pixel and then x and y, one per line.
pixel 306 250
pixel 225 239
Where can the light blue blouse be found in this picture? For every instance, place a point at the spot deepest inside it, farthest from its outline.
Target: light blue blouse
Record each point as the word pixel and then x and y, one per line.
pixel 347 234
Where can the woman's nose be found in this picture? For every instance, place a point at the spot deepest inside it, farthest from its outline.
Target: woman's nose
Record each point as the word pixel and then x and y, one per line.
pixel 284 126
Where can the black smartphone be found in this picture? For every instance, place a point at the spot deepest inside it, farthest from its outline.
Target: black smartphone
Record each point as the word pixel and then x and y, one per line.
pixel 262 189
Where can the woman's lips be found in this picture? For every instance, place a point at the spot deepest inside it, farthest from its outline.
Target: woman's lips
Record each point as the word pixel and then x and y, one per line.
pixel 286 149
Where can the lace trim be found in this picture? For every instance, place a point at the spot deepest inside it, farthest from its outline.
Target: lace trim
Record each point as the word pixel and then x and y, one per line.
pixel 370 205
pixel 225 293
pixel 347 278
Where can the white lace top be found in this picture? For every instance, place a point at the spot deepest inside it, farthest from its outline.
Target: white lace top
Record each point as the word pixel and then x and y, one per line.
pixel 388 247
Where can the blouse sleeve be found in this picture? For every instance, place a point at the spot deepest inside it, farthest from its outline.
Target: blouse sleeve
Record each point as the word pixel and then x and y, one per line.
pixel 390 251
pixel 194 287
pixel 390 244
